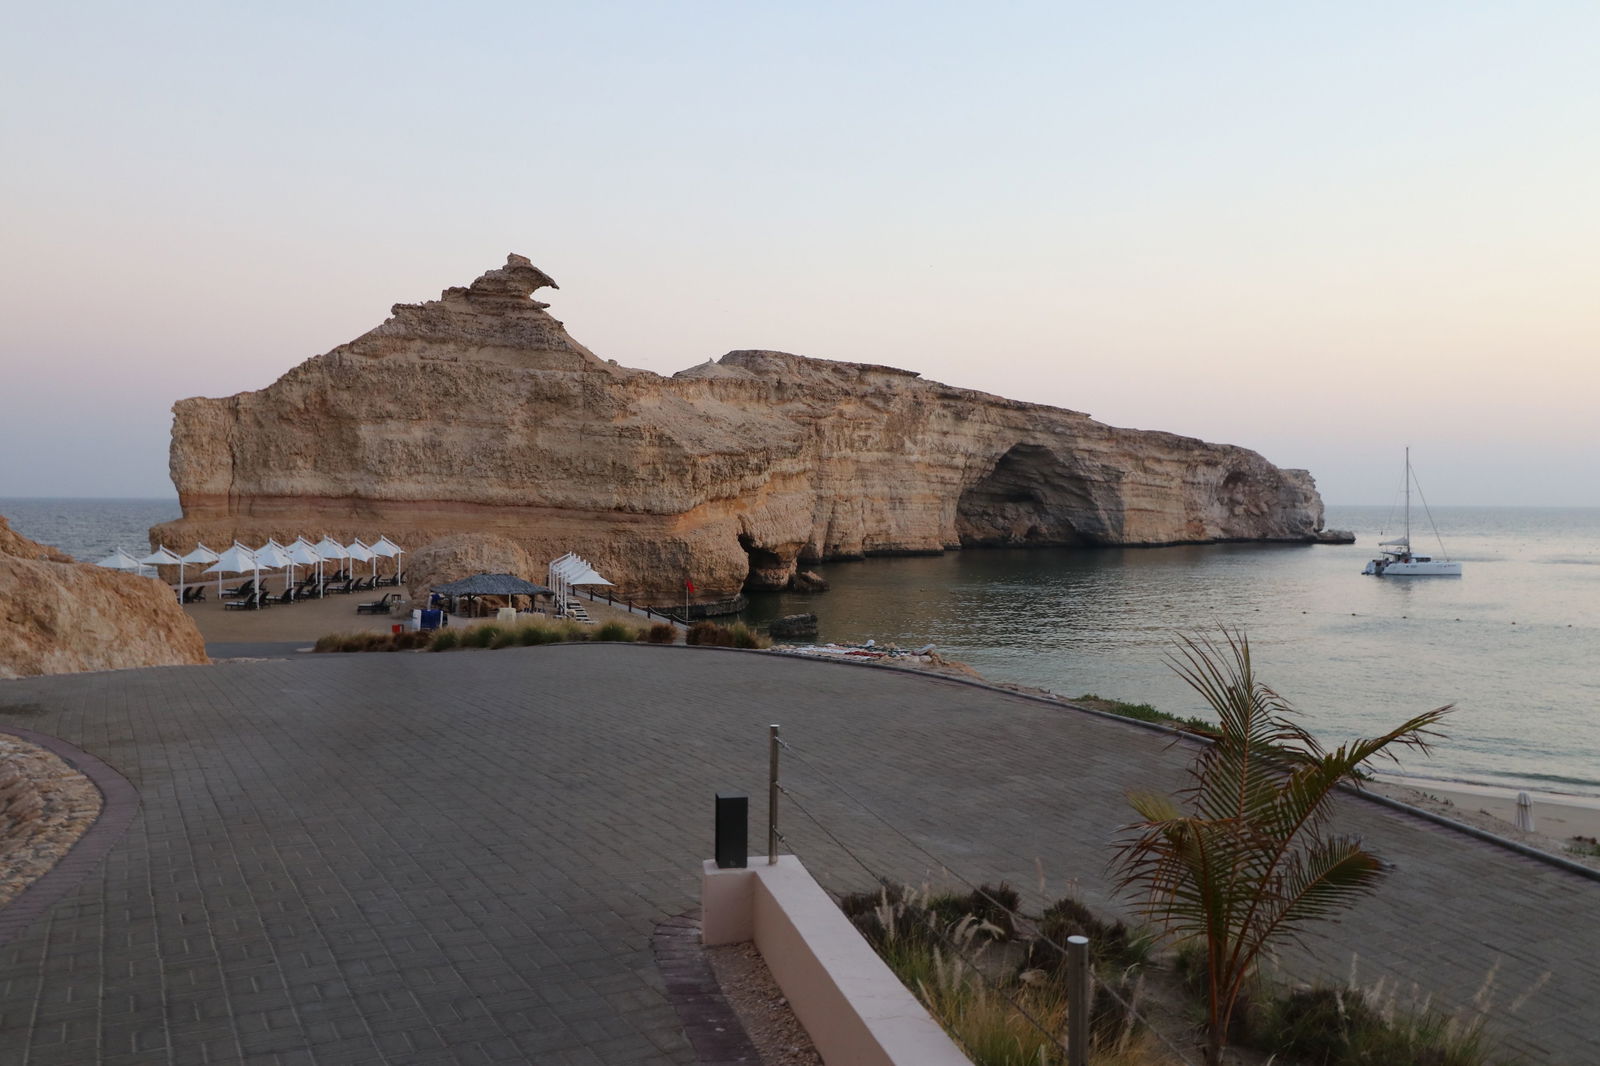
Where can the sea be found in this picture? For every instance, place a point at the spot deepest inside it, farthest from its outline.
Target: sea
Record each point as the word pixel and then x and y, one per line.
pixel 1513 644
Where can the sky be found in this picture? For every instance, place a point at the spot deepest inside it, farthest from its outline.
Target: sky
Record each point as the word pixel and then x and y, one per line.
pixel 1322 231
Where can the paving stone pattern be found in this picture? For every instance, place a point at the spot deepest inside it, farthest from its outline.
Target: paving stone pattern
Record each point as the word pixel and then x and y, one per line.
pixel 461 857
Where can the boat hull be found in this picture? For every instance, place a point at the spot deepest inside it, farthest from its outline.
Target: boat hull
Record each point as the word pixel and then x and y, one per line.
pixel 1388 568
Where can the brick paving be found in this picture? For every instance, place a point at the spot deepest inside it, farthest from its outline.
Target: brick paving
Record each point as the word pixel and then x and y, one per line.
pixel 461 858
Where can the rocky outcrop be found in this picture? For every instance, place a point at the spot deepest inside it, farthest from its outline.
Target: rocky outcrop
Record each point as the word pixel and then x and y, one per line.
pixel 478 413
pixel 455 557
pixel 62 617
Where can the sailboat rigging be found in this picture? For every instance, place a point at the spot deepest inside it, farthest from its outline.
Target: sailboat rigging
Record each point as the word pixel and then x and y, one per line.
pixel 1397 559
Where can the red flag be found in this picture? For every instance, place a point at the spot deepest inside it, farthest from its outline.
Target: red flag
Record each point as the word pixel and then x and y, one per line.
pixel 689 585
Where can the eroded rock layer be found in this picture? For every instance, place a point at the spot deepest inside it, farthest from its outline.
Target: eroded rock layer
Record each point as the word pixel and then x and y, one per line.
pixel 62 617
pixel 477 413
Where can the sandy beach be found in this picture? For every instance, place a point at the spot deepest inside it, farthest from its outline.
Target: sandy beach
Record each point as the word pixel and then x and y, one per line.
pixel 1555 817
pixel 310 619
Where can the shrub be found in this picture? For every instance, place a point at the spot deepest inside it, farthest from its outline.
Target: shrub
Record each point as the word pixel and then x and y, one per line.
pixel 444 640
pixel 740 636
pixel 410 639
pixel 1108 941
pixel 480 636
pixel 331 642
pixel 708 634
pixel 616 631
pixel 662 633
pixel 503 638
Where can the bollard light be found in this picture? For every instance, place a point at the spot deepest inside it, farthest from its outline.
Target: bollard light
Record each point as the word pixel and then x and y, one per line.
pixel 733 830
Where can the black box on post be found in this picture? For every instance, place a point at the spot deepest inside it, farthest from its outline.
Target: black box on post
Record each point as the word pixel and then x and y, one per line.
pixel 733 830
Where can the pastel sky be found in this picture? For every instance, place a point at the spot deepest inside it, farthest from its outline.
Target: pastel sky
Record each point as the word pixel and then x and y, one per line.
pixel 1323 231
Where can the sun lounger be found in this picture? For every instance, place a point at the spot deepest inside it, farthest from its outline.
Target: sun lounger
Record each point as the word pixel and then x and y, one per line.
pixel 379 606
pixel 250 603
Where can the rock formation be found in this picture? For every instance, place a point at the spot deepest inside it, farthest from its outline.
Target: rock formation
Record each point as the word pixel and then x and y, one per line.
pixel 62 617
pixel 477 413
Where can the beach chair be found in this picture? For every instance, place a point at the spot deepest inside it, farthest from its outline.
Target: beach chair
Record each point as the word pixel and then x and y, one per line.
pixel 379 606
pixel 289 596
pixel 244 591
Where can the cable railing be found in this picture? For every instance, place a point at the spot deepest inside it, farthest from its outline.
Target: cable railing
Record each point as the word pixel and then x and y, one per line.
pixel 1072 952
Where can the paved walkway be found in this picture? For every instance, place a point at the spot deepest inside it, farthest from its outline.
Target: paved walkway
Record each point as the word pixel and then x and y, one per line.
pixel 460 858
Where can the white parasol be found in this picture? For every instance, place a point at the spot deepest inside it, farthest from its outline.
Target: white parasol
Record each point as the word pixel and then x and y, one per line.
pixel 201 554
pixel 236 560
pixel 389 550
pixel 120 560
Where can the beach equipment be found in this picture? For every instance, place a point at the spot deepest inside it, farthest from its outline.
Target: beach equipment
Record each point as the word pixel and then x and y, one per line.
pixel 164 556
pixel 301 553
pixel 120 560
pixel 491 585
pixel 201 554
pixel 571 570
pixel 1524 812
pixel 236 560
pixel 362 554
pixel 271 556
pixel 389 550
pixel 329 548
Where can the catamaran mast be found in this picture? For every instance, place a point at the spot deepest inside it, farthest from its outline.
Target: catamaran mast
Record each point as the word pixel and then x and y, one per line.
pixel 1408 496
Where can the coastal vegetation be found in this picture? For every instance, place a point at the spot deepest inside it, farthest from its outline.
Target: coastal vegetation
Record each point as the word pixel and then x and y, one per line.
pixel 995 979
pixel 1244 861
pixel 738 635
pixel 1144 712
pixel 489 635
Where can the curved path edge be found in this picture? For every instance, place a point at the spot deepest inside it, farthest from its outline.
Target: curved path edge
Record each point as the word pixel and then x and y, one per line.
pixel 1181 735
pixel 119 803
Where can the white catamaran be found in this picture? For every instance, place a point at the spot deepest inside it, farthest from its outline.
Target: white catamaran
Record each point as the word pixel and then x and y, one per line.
pixel 1397 559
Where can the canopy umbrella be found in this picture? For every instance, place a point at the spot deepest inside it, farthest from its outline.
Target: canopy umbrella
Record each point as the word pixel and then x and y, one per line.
pixel 491 585
pixel 571 569
pixel 389 550
pixel 164 556
pixel 120 560
pixel 271 556
pixel 236 560
pixel 329 548
pixel 301 553
pixel 362 554
pixel 201 554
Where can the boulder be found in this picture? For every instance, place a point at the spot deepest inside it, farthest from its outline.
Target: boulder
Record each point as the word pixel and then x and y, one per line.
pixel 808 581
pixel 62 617
pixel 465 554
pixel 794 625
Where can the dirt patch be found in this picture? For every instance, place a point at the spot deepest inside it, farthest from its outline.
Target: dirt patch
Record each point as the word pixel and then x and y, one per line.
pixel 748 986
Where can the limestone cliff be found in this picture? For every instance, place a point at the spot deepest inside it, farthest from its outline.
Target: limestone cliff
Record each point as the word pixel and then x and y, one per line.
pixel 478 413
pixel 62 617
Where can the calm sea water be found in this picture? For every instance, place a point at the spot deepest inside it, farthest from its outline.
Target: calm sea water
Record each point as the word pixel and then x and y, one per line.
pixel 87 529
pixel 1514 643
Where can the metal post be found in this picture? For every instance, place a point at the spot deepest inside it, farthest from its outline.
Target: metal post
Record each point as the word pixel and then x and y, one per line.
pixel 772 795
pixel 1077 1001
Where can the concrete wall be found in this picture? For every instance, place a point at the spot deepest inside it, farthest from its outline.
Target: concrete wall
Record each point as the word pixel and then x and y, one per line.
pixel 852 1005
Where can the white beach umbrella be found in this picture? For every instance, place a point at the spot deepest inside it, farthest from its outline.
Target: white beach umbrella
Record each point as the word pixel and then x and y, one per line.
pixel 120 560
pixel 362 554
pixel 271 556
pixel 390 550
pixel 164 556
pixel 329 548
pixel 236 560
pixel 201 554
pixel 304 553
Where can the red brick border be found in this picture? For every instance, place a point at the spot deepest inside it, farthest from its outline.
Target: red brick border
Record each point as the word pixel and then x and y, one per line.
pixel 713 1029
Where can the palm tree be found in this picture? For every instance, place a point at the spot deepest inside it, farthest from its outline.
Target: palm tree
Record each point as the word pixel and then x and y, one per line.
pixel 1244 862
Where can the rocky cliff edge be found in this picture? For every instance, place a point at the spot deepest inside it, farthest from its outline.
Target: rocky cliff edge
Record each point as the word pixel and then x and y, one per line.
pixel 478 413
pixel 62 617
